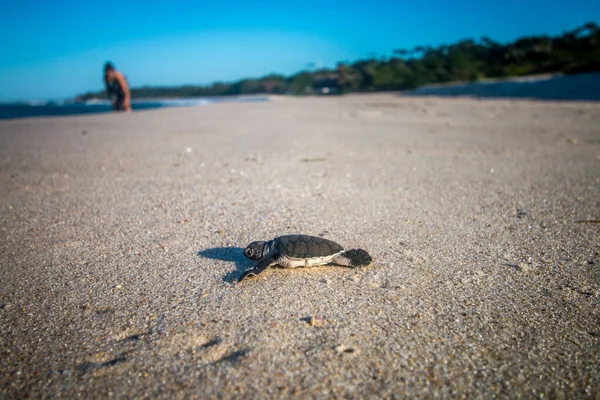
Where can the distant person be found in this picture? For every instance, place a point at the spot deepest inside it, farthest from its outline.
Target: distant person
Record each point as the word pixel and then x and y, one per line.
pixel 117 88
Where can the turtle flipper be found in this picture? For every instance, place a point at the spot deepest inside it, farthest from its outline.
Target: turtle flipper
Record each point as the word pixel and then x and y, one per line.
pixel 259 267
pixel 353 258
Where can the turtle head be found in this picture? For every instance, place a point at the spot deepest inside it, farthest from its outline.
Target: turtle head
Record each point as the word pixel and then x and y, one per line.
pixel 254 250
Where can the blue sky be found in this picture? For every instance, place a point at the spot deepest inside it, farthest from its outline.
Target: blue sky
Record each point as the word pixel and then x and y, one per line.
pixel 53 49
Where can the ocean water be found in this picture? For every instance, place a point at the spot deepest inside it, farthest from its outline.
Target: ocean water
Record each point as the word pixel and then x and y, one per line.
pixel 42 108
pixel 579 87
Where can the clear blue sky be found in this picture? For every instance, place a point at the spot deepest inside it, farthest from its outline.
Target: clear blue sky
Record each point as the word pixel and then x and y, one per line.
pixel 54 49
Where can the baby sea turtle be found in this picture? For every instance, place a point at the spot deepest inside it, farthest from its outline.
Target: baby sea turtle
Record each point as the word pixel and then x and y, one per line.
pixel 293 251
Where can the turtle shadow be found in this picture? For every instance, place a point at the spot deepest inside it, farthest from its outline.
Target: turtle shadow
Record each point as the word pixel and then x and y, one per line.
pixel 233 254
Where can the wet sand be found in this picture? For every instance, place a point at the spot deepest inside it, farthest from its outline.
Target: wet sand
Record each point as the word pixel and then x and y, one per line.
pixel 121 239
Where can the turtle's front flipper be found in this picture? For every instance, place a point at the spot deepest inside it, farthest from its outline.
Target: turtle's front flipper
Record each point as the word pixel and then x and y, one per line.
pixel 259 267
pixel 353 258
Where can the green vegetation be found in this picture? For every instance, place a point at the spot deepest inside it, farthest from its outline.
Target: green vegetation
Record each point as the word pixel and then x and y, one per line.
pixel 468 60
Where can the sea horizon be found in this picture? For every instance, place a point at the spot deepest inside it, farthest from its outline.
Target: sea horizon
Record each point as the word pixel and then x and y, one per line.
pixel 48 108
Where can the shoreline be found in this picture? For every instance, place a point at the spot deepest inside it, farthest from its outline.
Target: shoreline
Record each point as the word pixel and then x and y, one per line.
pixel 583 87
pixel 48 108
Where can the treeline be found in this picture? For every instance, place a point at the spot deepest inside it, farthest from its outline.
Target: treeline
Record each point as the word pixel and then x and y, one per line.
pixel 468 60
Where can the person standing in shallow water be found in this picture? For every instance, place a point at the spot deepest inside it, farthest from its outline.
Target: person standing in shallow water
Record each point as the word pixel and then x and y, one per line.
pixel 117 88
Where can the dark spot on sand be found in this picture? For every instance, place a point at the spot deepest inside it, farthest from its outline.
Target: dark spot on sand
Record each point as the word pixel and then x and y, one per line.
pixel 114 361
pixel 132 338
pixel 211 343
pixel 90 366
pixel 315 159
pixel 387 286
pixel 234 357
pixel 513 265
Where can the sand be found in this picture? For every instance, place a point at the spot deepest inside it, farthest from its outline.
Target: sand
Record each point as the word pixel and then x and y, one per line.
pixel 122 236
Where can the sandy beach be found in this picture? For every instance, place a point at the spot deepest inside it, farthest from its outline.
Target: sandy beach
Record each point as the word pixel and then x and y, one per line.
pixel 121 240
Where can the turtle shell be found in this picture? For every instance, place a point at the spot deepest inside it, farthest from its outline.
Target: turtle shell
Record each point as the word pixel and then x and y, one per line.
pixel 304 246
